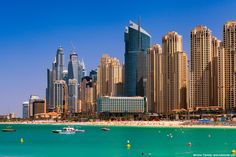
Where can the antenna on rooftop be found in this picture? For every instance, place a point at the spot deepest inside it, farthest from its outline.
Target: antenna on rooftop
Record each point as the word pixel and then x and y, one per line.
pixel 139 29
pixel 139 21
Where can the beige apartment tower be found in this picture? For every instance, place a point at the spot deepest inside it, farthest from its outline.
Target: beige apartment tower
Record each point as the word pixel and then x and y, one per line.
pixel 87 96
pixel 175 73
pixel 110 81
pixel 154 88
pixel 218 73
pixel 201 57
pixel 229 42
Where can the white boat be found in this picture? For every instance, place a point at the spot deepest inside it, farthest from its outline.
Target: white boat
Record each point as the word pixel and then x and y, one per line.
pixel 105 129
pixel 67 130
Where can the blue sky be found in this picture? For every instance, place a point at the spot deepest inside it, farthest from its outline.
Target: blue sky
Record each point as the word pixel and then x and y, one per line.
pixel 31 31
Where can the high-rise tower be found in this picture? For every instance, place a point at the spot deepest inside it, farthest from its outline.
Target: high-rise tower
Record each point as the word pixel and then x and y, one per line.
pixel 175 73
pixel 229 42
pixel 218 73
pixel 59 64
pixel 109 82
pixel 60 96
pixel 137 41
pixel 201 68
pixel 72 96
pixel 155 80
pixel 73 66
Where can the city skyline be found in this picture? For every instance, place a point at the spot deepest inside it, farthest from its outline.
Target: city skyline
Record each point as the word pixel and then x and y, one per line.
pixel 34 82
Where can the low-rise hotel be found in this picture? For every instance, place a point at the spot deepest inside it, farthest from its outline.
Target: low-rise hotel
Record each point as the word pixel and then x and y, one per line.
pixel 131 105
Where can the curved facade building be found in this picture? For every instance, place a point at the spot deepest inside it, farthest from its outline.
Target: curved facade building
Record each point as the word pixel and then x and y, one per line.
pixel 59 64
pixel 73 67
pixel 137 41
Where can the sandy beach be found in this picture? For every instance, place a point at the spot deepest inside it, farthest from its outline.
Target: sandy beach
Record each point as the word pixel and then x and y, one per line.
pixel 174 124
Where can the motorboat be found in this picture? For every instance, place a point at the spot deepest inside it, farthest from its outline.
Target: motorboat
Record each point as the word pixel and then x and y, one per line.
pixel 8 129
pixel 105 129
pixel 67 130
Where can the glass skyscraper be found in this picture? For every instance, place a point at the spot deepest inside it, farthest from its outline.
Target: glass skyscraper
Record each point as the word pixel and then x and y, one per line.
pixel 137 41
pixel 25 109
pixel 73 66
pixel 72 95
pixel 59 64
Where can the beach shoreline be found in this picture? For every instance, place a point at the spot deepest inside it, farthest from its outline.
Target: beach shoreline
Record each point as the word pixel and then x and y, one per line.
pixel 157 124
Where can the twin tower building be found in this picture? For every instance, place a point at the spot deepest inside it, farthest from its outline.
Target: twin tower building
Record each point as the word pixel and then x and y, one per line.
pixel 159 73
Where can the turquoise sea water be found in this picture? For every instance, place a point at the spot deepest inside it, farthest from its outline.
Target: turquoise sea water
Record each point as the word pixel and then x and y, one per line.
pixel 39 141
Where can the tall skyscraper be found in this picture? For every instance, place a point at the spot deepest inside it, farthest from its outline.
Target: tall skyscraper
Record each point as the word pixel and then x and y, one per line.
pixel 72 96
pixel 181 81
pixel 229 41
pixel 155 80
pixel 73 66
pixel 32 99
pixel 137 41
pixel 56 73
pixel 109 81
pixel 83 69
pixel 215 43
pixel 25 109
pixel 218 73
pixel 221 76
pixel 60 91
pixel 87 95
pixel 201 68
pixel 59 64
pixel 175 73
pixel 49 90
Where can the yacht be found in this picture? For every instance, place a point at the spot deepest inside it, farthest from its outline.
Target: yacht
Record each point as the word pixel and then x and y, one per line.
pixel 8 129
pixel 67 130
pixel 105 129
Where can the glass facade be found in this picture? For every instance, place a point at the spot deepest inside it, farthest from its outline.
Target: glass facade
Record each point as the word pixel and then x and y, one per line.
pixel 25 112
pixel 93 74
pixel 121 104
pixel 72 95
pixel 59 64
pixel 73 67
pixel 60 95
pixel 137 41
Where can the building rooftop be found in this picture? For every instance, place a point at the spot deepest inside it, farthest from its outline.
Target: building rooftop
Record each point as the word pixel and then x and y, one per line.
pixel 200 28
pixel 136 27
pixel 25 102
pixel 122 97
pixel 34 97
pixel 230 23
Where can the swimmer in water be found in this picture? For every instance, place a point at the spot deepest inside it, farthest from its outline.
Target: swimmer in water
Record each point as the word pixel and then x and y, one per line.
pixel 190 144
